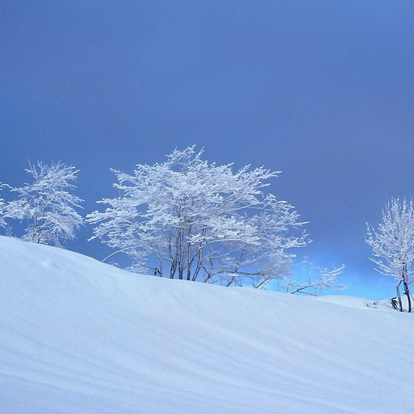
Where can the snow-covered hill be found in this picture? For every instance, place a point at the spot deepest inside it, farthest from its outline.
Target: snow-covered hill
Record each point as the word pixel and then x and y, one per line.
pixel 78 336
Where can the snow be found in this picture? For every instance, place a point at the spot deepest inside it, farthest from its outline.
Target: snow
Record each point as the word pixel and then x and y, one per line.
pixel 78 336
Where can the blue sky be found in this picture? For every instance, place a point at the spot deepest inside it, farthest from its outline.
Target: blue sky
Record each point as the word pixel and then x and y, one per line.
pixel 322 90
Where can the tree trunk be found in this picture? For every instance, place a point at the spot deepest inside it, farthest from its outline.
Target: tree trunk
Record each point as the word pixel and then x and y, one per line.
pixel 173 269
pixel 399 296
pixel 180 270
pixel 199 265
pixel 407 293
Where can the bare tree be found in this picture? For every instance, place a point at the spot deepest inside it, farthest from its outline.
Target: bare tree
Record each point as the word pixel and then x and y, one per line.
pixel 190 219
pixel 393 245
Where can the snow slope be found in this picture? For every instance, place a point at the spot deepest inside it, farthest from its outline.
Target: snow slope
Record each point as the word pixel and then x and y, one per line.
pixel 78 336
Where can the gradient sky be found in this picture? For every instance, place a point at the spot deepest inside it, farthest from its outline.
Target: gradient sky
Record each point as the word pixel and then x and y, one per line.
pixel 322 90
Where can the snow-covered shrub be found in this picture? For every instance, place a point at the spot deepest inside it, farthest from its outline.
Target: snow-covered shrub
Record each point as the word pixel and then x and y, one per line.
pixel 47 204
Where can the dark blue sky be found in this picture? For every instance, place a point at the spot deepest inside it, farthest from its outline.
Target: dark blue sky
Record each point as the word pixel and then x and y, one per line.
pixel 322 90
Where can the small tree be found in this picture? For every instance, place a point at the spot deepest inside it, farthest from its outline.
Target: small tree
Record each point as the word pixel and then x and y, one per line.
pixel 190 219
pixel 2 210
pixel 48 204
pixel 317 279
pixel 393 245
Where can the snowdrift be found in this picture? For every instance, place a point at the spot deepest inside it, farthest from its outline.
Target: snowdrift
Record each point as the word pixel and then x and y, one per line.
pixel 78 336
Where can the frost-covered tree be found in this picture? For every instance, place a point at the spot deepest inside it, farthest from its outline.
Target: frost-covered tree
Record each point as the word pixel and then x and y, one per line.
pixel 317 279
pixel 393 245
pixel 190 219
pixel 2 210
pixel 48 204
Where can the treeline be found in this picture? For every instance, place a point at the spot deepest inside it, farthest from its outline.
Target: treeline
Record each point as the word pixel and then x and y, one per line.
pixel 189 219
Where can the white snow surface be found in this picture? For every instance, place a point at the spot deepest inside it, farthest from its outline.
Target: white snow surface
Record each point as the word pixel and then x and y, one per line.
pixel 78 336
